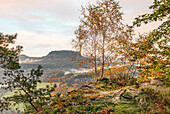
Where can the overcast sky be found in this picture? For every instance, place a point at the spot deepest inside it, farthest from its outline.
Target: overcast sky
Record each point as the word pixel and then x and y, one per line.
pixel 48 25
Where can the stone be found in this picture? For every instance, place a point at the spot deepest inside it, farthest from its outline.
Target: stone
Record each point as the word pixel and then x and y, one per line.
pixel 115 99
pixel 155 82
pixel 137 99
pixel 92 85
pixel 145 84
pixel 85 87
pixel 142 101
pixel 148 85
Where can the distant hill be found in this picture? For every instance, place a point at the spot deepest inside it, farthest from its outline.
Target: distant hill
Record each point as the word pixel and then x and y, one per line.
pixel 61 60
pixel 56 60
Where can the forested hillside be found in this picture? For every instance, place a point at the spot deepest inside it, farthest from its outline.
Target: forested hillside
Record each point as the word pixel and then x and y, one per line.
pixel 60 60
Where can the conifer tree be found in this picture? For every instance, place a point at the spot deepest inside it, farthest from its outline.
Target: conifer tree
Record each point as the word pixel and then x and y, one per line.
pixel 15 80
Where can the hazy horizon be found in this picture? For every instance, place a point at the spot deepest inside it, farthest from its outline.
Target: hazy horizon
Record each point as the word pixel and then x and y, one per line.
pixel 45 26
pixel 47 53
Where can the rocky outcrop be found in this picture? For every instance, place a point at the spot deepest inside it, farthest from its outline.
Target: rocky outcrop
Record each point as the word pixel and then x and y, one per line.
pixel 155 81
pixel 148 85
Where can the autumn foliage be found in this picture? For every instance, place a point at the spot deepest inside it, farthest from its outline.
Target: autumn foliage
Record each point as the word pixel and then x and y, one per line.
pixel 121 65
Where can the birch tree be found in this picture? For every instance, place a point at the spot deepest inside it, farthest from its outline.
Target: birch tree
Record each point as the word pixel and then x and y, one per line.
pixel 105 33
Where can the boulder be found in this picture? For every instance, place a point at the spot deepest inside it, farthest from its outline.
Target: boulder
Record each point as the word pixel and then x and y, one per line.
pixel 92 85
pixel 145 84
pixel 155 81
pixel 142 101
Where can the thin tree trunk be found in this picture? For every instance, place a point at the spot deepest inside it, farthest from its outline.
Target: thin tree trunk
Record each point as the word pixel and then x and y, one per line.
pixel 95 58
pixel 103 61
pixel 110 73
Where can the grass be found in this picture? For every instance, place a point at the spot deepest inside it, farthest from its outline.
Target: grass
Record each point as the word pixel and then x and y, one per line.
pixel 101 99
pixel 124 107
pixel 11 93
pixel 20 106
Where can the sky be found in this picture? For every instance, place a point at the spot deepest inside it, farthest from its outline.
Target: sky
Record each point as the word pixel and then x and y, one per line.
pixel 47 25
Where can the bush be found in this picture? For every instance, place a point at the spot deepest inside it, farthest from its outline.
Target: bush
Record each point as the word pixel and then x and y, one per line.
pixel 104 79
pixel 123 80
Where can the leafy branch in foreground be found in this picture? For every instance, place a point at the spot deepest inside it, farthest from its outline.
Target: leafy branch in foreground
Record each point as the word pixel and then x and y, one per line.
pixel 23 86
pixel 9 56
pixel 25 89
pixel 152 49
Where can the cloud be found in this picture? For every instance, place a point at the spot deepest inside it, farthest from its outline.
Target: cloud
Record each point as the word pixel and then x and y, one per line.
pixel 27 7
pixel 134 8
pixel 40 44
pixel 136 4
pixel 38 15
pixel 41 15
pixel 46 25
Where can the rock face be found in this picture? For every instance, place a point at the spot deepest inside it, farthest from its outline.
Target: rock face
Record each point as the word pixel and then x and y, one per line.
pixel 156 82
